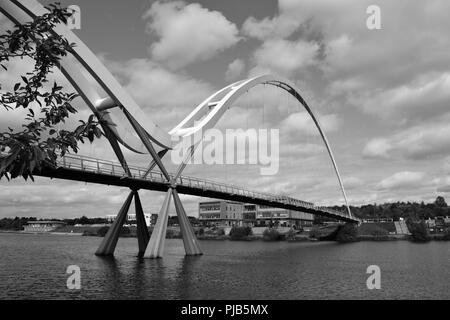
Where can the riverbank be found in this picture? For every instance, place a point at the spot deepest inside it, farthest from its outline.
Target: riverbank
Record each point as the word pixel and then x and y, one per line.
pixel 318 233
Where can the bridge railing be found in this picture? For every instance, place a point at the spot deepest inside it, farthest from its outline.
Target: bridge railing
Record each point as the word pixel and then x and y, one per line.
pixel 115 169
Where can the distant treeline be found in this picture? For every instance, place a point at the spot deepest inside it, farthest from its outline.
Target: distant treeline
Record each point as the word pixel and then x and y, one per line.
pixel 17 223
pixel 412 210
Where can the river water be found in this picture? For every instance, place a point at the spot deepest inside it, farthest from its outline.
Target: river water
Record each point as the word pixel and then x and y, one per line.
pixel 34 267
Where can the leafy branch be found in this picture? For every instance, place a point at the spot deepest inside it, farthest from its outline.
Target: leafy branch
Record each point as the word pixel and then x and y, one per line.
pixel 40 141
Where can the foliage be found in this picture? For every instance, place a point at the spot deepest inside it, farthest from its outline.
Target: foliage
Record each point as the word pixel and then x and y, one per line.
pixel 419 231
pixel 85 221
pixel 271 234
pixel 240 233
pixel 347 233
pixel 221 232
pixel 125 230
pixel 102 231
pixel 446 237
pixel 40 140
pixel 397 210
pixel 14 224
pixel 291 234
pixel 173 234
pixel 373 229
pixel 440 202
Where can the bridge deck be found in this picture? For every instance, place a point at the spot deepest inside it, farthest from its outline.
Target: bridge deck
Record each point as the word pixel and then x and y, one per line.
pixel 93 170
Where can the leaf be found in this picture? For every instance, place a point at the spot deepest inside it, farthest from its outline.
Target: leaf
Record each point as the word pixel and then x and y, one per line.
pixel 98 132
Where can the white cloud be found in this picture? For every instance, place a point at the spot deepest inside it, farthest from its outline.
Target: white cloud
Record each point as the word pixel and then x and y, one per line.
pixel 276 27
pixel 423 141
pixel 165 96
pixel 351 183
pixel 285 57
pixel 427 96
pixel 235 70
pixel 377 148
pixel 405 179
pixel 188 32
pixel 302 122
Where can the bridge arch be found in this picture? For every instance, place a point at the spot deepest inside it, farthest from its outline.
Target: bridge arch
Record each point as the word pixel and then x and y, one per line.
pixel 210 111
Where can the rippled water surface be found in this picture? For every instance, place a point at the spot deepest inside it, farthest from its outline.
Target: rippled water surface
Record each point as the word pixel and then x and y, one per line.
pixel 34 267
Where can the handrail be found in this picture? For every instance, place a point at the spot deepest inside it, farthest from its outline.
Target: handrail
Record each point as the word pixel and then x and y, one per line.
pixel 113 168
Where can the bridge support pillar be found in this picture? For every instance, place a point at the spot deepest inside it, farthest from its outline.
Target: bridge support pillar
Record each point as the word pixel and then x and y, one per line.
pixel 109 242
pixel 191 245
pixel 142 230
pixel 155 248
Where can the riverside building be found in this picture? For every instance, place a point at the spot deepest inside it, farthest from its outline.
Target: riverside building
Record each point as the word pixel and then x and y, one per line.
pixel 227 213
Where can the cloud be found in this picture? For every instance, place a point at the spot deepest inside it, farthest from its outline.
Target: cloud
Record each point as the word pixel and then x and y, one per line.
pixel 164 95
pixel 420 142
pixel 302 122
pixel 235 70
pixel 377 148
pixel 286 57
pixel 188 32
pixel 405 179
pixel 352 183
pixel 427 142
pixel 276 27
pixel 428 96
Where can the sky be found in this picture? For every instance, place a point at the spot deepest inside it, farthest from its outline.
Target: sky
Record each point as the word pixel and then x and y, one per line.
pixel 381 95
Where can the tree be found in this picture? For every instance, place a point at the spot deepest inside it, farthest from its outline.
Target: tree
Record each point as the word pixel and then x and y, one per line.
pixel 102 231
pixel 419 231
pixel 272 234
pixel 440 202
pixel 240 233
pixel 24 152
pixel 347 233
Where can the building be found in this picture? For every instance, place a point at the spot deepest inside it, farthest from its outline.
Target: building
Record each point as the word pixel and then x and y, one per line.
pixel 447 221
pixel 131 218
pixel 268 216
pixel 223 213
pixel 431 223
pixel 43 226
pixel 249 215
pixel 226 213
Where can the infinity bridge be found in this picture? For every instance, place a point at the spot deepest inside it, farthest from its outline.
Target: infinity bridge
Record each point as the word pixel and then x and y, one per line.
pixel 126 125
pixel 87 169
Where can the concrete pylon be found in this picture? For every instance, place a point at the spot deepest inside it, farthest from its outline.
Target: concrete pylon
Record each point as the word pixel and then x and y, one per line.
pixel 191 245
pixel 155 248
pixel 142 230
pixel 109 242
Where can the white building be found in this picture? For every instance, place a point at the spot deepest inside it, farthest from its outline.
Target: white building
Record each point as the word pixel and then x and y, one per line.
pixel 131 218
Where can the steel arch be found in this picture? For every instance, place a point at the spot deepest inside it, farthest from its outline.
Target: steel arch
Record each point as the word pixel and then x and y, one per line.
pixel 208 113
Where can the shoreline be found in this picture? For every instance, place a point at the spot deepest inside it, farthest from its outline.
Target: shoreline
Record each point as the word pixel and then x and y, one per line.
pixel 304 238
